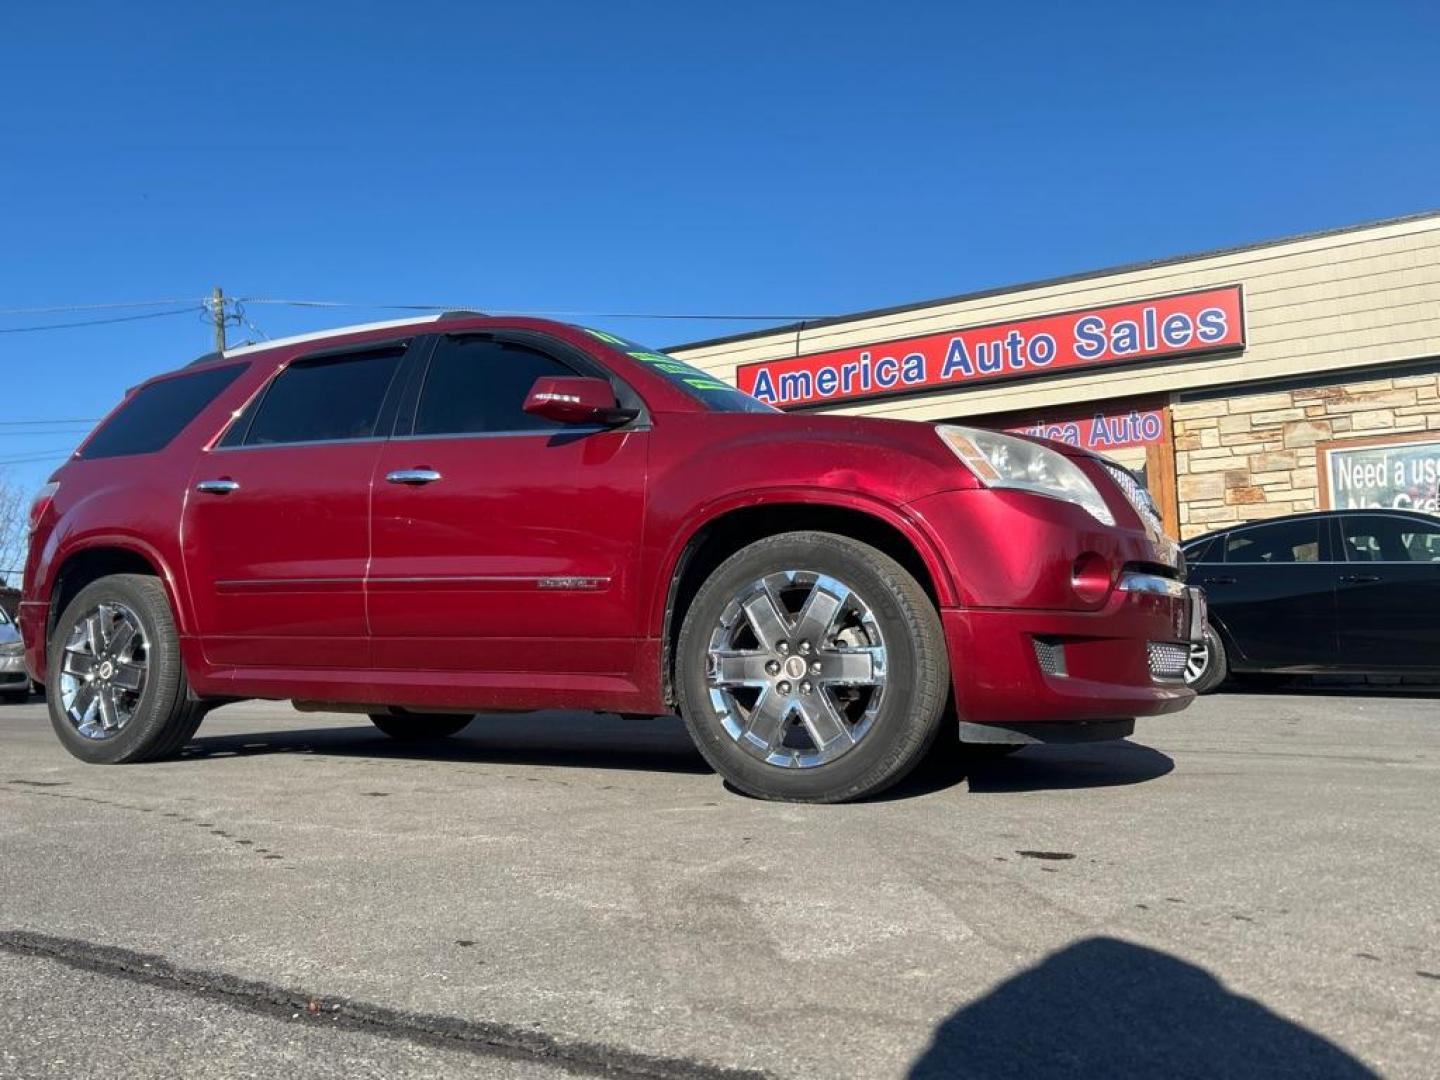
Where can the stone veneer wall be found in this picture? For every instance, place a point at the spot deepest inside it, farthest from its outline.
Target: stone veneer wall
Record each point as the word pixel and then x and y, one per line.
pixel 1253 456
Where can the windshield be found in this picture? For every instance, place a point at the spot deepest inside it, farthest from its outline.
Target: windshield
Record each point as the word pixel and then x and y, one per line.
pixel 714 394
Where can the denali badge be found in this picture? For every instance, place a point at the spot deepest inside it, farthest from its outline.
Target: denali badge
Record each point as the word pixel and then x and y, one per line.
pixel 570 582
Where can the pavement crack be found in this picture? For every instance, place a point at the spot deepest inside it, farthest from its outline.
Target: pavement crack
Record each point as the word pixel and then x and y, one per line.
pixel 481 1037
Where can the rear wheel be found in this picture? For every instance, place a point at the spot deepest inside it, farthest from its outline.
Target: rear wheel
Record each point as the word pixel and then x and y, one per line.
pixel 812 668
pixel 116 687
pixel 1207 666
pixel 420 727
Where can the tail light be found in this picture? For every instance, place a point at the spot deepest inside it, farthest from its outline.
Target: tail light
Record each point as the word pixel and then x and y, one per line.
pixel 43 498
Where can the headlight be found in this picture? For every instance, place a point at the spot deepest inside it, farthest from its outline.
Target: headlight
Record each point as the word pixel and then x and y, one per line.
pixel 1002 461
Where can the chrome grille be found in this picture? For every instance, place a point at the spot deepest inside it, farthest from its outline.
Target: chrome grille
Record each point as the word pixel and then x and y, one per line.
pixel 1135 491
pixel 1167 659
pixel 1051 656
pixel 1166 550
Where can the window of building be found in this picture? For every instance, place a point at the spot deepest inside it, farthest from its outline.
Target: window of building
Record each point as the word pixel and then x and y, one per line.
pixel 1383 476
pixel 476 385
pixel 157 412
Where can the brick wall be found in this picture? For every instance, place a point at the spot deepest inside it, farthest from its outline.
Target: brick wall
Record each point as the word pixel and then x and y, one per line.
pixel 1248 457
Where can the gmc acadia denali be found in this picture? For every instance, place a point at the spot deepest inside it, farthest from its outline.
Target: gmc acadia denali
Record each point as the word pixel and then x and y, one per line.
pixel 426 519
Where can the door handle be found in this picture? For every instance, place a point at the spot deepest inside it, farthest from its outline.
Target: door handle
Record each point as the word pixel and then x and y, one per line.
pixel 1359 579
pixel 218 487
pixel 1217 581
pixel 413 476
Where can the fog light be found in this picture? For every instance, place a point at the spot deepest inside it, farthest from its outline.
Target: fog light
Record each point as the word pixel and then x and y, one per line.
pixel 1090 578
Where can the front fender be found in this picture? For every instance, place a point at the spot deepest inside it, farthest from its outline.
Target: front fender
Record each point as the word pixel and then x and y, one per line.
pixel 708 513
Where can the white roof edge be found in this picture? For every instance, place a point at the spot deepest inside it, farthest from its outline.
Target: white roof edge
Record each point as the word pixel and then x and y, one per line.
pixel 318 335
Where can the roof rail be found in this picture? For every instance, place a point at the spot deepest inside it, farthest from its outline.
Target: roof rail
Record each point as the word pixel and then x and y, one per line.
pixel 320 335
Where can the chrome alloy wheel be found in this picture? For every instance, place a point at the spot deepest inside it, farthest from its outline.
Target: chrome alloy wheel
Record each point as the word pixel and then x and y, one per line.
pixel 796 669
pixel 1198 662
pixel 103 670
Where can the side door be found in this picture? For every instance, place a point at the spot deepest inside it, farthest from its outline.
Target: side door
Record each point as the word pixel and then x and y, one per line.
pixel 506 545
pixel 276 520
pixel 1271 587
pixel 1389 597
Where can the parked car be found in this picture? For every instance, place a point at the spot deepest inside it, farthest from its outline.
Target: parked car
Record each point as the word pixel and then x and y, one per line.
pixel 423 520
pixel 1353 591
pixel 14 679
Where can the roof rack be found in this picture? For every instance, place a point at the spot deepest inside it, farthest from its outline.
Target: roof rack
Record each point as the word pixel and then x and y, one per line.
pixel 319 335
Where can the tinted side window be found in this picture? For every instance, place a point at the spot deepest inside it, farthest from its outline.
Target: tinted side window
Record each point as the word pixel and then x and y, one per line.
pixel 1203 552
pixel 334 397
pixel 1380 538
pixel 475 385
pixel 156 413
pixel 1282 542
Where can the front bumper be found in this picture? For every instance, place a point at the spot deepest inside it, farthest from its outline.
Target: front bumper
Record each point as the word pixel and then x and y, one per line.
pixel 1088 666
pixel 34 619
pixel 12 672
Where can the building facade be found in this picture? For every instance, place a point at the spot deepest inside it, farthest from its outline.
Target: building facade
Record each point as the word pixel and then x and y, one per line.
pixel 1247 383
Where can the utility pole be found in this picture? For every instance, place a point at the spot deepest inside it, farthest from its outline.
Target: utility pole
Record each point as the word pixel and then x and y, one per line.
pixel 217 312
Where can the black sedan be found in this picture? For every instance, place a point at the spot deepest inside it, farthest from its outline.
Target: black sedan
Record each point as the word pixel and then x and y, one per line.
pixel 1352 591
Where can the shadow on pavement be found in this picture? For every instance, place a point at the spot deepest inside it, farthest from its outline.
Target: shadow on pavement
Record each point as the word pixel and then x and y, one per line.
pixel 1331 686
pixel 545 738
pixel 1109 1008
pixel 1036 768
pixel 661 744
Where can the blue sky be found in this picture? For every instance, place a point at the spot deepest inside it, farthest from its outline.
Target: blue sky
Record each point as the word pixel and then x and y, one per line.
pixel 739 158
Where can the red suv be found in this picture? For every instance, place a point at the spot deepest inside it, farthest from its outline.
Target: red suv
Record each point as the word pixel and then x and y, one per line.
pixel 426 519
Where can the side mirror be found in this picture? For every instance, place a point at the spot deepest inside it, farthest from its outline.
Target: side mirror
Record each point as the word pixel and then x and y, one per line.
pixel 575 400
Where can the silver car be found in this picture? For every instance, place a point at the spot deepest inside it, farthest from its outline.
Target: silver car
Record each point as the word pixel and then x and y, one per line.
pixel 14 679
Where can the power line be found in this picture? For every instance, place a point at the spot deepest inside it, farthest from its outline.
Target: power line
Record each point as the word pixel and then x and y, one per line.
pixel 525 311
pixel 53 309
pixel 98 322
pixel 29 423
pixel 38 455
pixel 206 304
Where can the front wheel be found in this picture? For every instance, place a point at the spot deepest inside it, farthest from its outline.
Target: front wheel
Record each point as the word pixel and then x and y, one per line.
pixel 812 668
pixel 420 727
pixel 1207 665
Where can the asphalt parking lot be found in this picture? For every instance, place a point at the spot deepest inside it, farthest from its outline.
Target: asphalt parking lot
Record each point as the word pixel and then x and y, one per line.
pixel 1251 888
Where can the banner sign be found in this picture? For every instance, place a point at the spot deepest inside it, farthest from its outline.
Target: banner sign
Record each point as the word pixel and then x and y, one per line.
pixel 1103 431
pixel 1397 476
pixel 1163 328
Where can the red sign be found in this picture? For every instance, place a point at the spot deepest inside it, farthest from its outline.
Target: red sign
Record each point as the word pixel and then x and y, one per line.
pixel 1165 328
pixel 1103 431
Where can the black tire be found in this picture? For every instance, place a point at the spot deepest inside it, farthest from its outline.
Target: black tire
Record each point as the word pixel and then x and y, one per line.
pixel 15 697
pixel 420 727
pixel 165 715
pixel 1216 668
pixel 917 670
